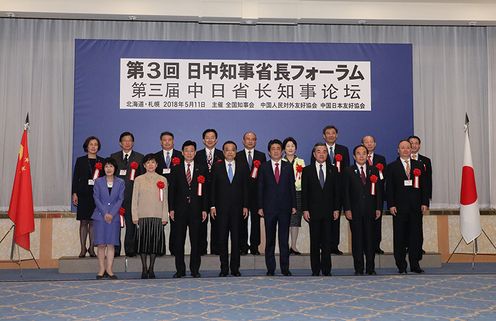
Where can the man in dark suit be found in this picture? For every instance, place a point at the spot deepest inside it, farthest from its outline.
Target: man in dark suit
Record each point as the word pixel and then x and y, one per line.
pixel 408 200
pixel 229 205
pixel 362 205
pixel 188 208
pixel 426 161
pixel 207 157
pixel 166 158
pixel 246 159
pixel 320 203
pixel 373 159
pixel 277 202
pixel 129 167
pixel 330 135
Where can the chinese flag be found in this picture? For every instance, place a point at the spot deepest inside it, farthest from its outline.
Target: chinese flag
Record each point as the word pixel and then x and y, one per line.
pixel 21 210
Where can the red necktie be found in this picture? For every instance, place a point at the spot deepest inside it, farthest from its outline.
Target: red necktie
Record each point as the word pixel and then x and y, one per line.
pixel 370 160
pixel 188 174
pixel 276 173
pixel 362 176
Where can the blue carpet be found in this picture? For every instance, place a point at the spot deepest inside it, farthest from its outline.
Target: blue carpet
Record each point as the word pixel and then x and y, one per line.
pixel 454 292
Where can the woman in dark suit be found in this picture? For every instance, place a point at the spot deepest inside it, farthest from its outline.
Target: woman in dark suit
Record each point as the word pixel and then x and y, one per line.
pixel 85 170
pixel 108 195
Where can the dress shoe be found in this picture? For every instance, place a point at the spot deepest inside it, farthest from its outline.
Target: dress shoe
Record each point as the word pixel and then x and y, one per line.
pixel 243 252
pixel 336 251
pixel 379 251
pixel 287 273
pixel 423 252
pixel 222 274
pixel 371 272
pixel 100 277
pixel 402 271
pixel 144 275
pixel 92 252
pixel 315 273
pixel 255 252
pixel 151 274
pixel 417 270
pixel 327 274
pixel 196 275
pixel 293 252
pixel 105 274
pixel 82 253
pixel 270 273
pixel 112 277
pixel 178 275
pixel 358 272
pixel 236 273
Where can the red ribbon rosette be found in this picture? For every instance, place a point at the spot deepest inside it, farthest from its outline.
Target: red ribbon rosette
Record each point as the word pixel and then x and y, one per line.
pixel 254 170
pixel 161 186
pixel 373 180
pixel 299 169
pixel 201 181
pixel 338 159
pixel 416 174
pixel 219 160
pixel 176 161
pixel 380 168
pixel 122 211
pixel 134 167
pixel 98 168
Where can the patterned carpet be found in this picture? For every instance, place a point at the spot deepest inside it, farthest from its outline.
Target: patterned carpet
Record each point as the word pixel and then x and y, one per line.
pixel 388 297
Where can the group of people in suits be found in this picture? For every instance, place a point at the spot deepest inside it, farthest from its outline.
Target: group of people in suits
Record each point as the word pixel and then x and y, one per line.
pixel 184 187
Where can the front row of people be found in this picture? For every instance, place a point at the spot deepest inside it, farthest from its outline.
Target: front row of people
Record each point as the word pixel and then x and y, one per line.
pixel 325 189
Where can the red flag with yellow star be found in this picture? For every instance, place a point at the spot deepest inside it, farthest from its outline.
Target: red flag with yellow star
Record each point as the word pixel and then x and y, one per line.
pixel 21 210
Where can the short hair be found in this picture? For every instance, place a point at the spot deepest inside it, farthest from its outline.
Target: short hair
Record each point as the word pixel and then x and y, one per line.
pixel 230 142
pixel 318 145
pixel 209 130
pixel 188 143
pixel 416 137
pixel 166 133
pixel 404 140
pixel 287 140
pixel 357 147
pixel 87 142
pixel 274 142
pixel 373 138
pixel 249 132
pixel 329 127
pixel 111 161
pixel 124 134
pixel 149 157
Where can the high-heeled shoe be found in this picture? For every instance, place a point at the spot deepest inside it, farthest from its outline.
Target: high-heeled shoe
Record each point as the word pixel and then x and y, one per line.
pixel 91 251
pixel 83 253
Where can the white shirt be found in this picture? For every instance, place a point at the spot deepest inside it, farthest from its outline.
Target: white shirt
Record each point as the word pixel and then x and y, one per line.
pixel 128 154
pixel 233 166
pixel 252 153
pixel 191 168
pixel 414 156
pixel 360 169
pixel 317 166
pixel 403 161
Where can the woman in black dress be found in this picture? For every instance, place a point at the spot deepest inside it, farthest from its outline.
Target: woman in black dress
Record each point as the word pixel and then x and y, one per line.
pixel 86 170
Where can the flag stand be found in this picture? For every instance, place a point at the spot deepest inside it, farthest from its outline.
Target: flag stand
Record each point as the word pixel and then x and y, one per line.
pixel 475 251
pixel 14 245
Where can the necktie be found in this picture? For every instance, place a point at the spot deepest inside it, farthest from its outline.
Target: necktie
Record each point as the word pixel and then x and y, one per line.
pixel 126 159
pixel 414 156
pixel 209 160
pixel 188 174
pixel 331 155
pixel 276 173
pixel 321 176
pixel 230 173
pixel 167 159
pixel 370 160
pixel 362 176
pixel 407 170
pixel 250 159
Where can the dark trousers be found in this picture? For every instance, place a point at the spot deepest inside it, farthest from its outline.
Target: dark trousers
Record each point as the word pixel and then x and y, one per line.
pixel 363 242
pixel 187 220
pixel 277 221
pixel 255 230
pixel 172 236
pixel 320 245
pixel 377 233
pixel 130 242
pixel 407 233
pixel 228 221
pixel 214 248
pixel 335 233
